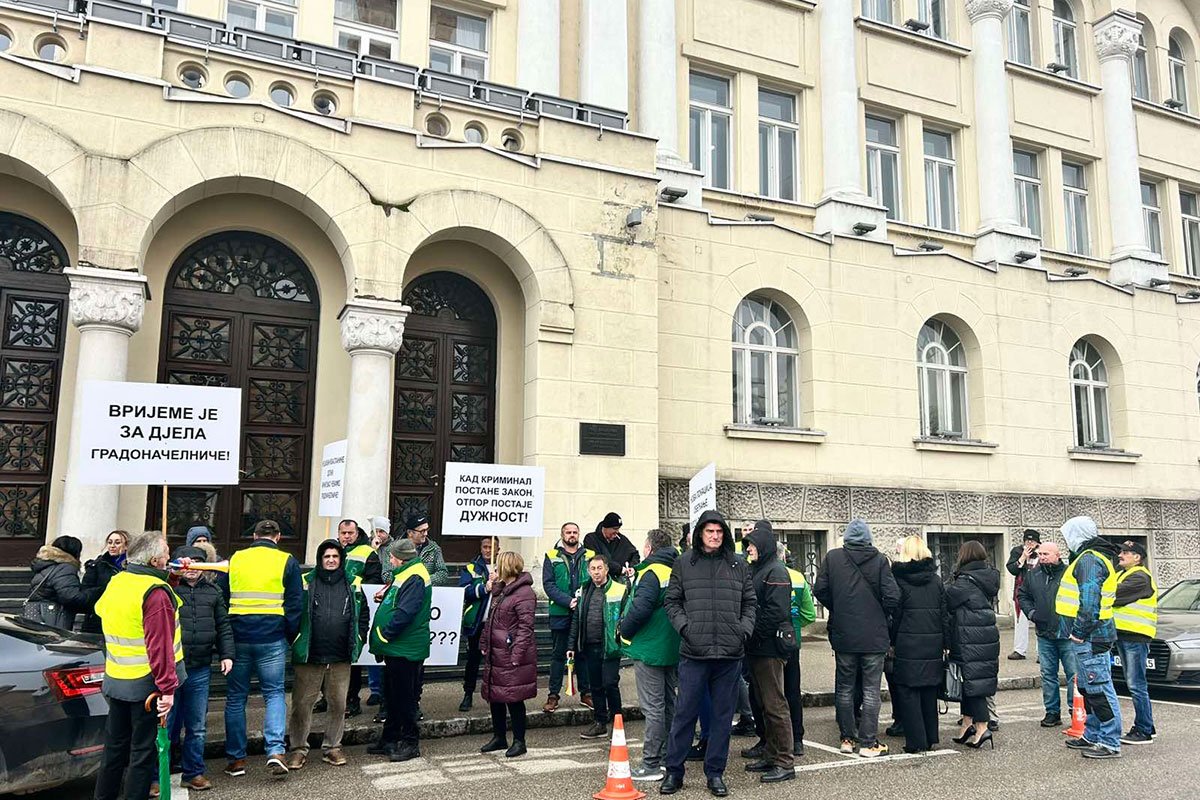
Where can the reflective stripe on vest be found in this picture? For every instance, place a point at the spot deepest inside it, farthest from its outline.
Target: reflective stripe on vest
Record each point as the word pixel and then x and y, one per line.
pixel 1066 602
pixel 417 568
pixel 256 581
pixel 120 612
pixel 661 571
pixel 1140 616
pixel 359 553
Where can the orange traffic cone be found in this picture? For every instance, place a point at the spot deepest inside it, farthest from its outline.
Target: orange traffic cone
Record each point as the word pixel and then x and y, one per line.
pixel 1078 715
pixel 620 783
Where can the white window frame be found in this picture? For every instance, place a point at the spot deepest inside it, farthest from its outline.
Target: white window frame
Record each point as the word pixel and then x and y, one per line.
pixel 1071 220
pixel 1016 38
pixel 1177 66
pixel 935 166
pixel 937 25
pixel 1191 232
pixel 1140 70
pixel 1152 217
pixel 1064 29
pixel 367 34
pixel 703 160
pixel 879 11
pixel 1025 185
pixel 875 162
pixel 261 7
pixel 1095 388
pixel 742 350
pixel 774 126
pixel 936 360
pixel 179 4
pixel 457 51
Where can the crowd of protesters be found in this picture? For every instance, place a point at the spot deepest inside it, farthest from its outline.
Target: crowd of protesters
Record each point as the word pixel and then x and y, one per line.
pixel 699 622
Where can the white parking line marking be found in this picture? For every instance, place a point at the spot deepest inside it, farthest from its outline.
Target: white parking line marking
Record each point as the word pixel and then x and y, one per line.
pixel 877 760
pixel 828 749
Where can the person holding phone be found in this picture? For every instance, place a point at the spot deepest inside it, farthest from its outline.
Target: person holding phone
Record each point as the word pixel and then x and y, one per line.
pixel 1021 559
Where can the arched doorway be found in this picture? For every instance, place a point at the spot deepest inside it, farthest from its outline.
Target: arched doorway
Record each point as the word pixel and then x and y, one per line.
pixel 241 310
pixel 33 302
pixel 445 403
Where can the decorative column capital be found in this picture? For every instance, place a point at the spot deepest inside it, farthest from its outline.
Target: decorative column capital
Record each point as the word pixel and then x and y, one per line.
pixel 1117 36
pixel 978 10
pixel 373 326
pixel 107 298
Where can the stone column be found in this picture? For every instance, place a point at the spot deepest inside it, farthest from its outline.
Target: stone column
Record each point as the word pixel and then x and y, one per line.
pixel 538 26
pixel 843 202
pixel 107 308
pixel 1000 235
pixel 657 79
pixel 604 53
pixel 372 331
pixel 1116 43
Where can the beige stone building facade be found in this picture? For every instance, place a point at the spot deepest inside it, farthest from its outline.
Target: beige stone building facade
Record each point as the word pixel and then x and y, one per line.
pixel 936 265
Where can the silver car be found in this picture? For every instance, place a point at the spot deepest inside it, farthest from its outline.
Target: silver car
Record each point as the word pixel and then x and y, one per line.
pixel 1174 658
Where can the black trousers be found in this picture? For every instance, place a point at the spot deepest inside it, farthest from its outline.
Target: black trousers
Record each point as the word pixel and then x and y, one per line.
pixel 401 679
pixel 604 676
pixel 474 657
pixel 355 687
pixel 791 690
pixel 916 711
pixel 129 742
pixel 499 726
pixel 420 680
pixel 558 664
pixel 976 708
pixel 719 681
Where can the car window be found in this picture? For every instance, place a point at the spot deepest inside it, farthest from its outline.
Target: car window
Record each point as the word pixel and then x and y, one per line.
pixel 1183 596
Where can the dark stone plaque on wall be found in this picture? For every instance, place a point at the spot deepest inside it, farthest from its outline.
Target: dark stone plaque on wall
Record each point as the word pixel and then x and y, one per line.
pixel 601 439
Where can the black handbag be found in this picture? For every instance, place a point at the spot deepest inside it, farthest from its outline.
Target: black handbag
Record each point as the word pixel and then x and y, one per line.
pixel 952 682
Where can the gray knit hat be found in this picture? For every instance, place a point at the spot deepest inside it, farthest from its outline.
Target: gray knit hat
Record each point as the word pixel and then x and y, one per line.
pixel 403 550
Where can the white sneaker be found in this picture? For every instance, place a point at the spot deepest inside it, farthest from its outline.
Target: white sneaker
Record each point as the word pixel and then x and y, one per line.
pixel 276 767
pixel 648 774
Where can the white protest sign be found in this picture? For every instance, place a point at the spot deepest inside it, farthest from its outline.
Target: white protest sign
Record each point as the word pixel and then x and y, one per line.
pixel 493 500
pixel 445 625
pixel 702 493
pixel 333 478
pixel 159 433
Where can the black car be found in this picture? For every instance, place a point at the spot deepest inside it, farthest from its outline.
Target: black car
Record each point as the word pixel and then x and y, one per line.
pixel 1174 657
pixel 52 713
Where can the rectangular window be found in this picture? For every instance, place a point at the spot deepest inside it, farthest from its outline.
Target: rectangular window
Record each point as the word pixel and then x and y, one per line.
pixel 1064 45
pixel 1179 81
pixel 1020 48
pixel 778 134
pixel 1029 190
pixel 710 117
pixel 365 44
pixel 266 17
pixel 934 13
pixel 380 13
pixel 458 43
pixel 1189 204
pixel 878 10
pixel 1152 217
pixel 940 207
pixel 1075 205
pixel 883 165
pixel 1141 71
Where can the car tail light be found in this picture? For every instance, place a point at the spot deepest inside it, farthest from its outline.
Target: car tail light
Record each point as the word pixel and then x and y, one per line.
pixel 75 682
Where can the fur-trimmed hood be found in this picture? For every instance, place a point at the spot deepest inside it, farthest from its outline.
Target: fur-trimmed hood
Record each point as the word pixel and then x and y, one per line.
pixel 48 554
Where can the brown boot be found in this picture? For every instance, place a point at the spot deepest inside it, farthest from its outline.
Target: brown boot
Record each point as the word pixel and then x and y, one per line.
pixel 586 699
pixel 198 784
pixel 335 757
pixel 551 704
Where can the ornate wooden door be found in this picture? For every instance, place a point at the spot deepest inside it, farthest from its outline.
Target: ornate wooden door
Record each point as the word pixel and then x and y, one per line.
pixel 242 310
pixel 445 396
pixel 33 305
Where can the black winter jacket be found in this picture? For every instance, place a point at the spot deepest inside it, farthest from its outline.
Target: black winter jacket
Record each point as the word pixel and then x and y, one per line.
pixel 710 599
pixel 204 623
pixel 96 575
pixel 620 552
pixel 773 595
pixel 974 637
pixel 860 601
pixel 1037 593
pixel 921 627
pixel 56 581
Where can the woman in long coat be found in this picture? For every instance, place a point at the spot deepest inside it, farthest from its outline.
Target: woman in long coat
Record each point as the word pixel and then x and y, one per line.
pixel 974 638
pixel 509 651
pixel 920 636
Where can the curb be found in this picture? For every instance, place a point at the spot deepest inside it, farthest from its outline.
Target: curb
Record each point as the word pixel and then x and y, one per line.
pixel 366 732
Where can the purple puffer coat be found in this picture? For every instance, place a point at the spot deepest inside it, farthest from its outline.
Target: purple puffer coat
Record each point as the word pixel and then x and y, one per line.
pixel 508 644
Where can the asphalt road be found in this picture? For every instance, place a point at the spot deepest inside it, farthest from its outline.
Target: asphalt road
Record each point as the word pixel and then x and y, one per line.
pixel 1028 761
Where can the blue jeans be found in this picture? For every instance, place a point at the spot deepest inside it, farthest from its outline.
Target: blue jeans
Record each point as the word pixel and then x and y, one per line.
pixel 265 659
pixel 375 679
pixel 189 717
pixel 1133 664
pixel 848 668
pixel 1052 652
pixel 1099 697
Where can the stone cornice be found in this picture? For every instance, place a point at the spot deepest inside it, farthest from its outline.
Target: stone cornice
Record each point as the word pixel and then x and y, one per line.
pixel 1117 37
pixel 373 326
pixel 107 298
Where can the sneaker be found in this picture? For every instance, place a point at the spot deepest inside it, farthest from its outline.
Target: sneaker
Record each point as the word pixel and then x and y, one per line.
pixel 1136 737
pixel 155 793
pixel 1079 744
pixel 407 753
pixel 648 773
pixel 295 760
pixel 379 717
pixel 275 765
pixel 373 699
pixel 198 784
pixel 236 768
pixel 875 750
pixel 744 727
pixel 597 730
pixel 847 747
pixel 1051 721
pixel 586 699
pixel 334 757
pixel 1015 656
pixel 1100 751
pixel 551 704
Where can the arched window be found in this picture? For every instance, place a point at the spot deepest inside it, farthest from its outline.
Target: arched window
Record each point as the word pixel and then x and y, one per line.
pixel 1089 396
pixel 1065 50
pixel 765 364
pixel 1178 61
pixel 942 378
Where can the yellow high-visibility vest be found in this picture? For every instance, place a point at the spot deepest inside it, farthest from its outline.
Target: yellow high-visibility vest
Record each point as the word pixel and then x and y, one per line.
pixel 256 581
pixel 1066 602
pixel 1140 616
pixel 120 612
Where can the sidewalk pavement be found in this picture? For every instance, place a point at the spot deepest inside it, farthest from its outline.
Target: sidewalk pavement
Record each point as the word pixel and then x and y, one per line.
pixel 442 717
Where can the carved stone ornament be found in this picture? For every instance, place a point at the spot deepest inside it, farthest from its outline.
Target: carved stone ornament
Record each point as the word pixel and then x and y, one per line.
pixel 114 300
pixel 1117 37
pixel 373 325
pixel 982 9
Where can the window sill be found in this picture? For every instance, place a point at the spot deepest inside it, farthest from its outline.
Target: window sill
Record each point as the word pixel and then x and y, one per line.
pixel 1185 117
pixel 1102 454
pixel 1064 81
pixel 940 445
pixel 912 37
pixel 773 434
